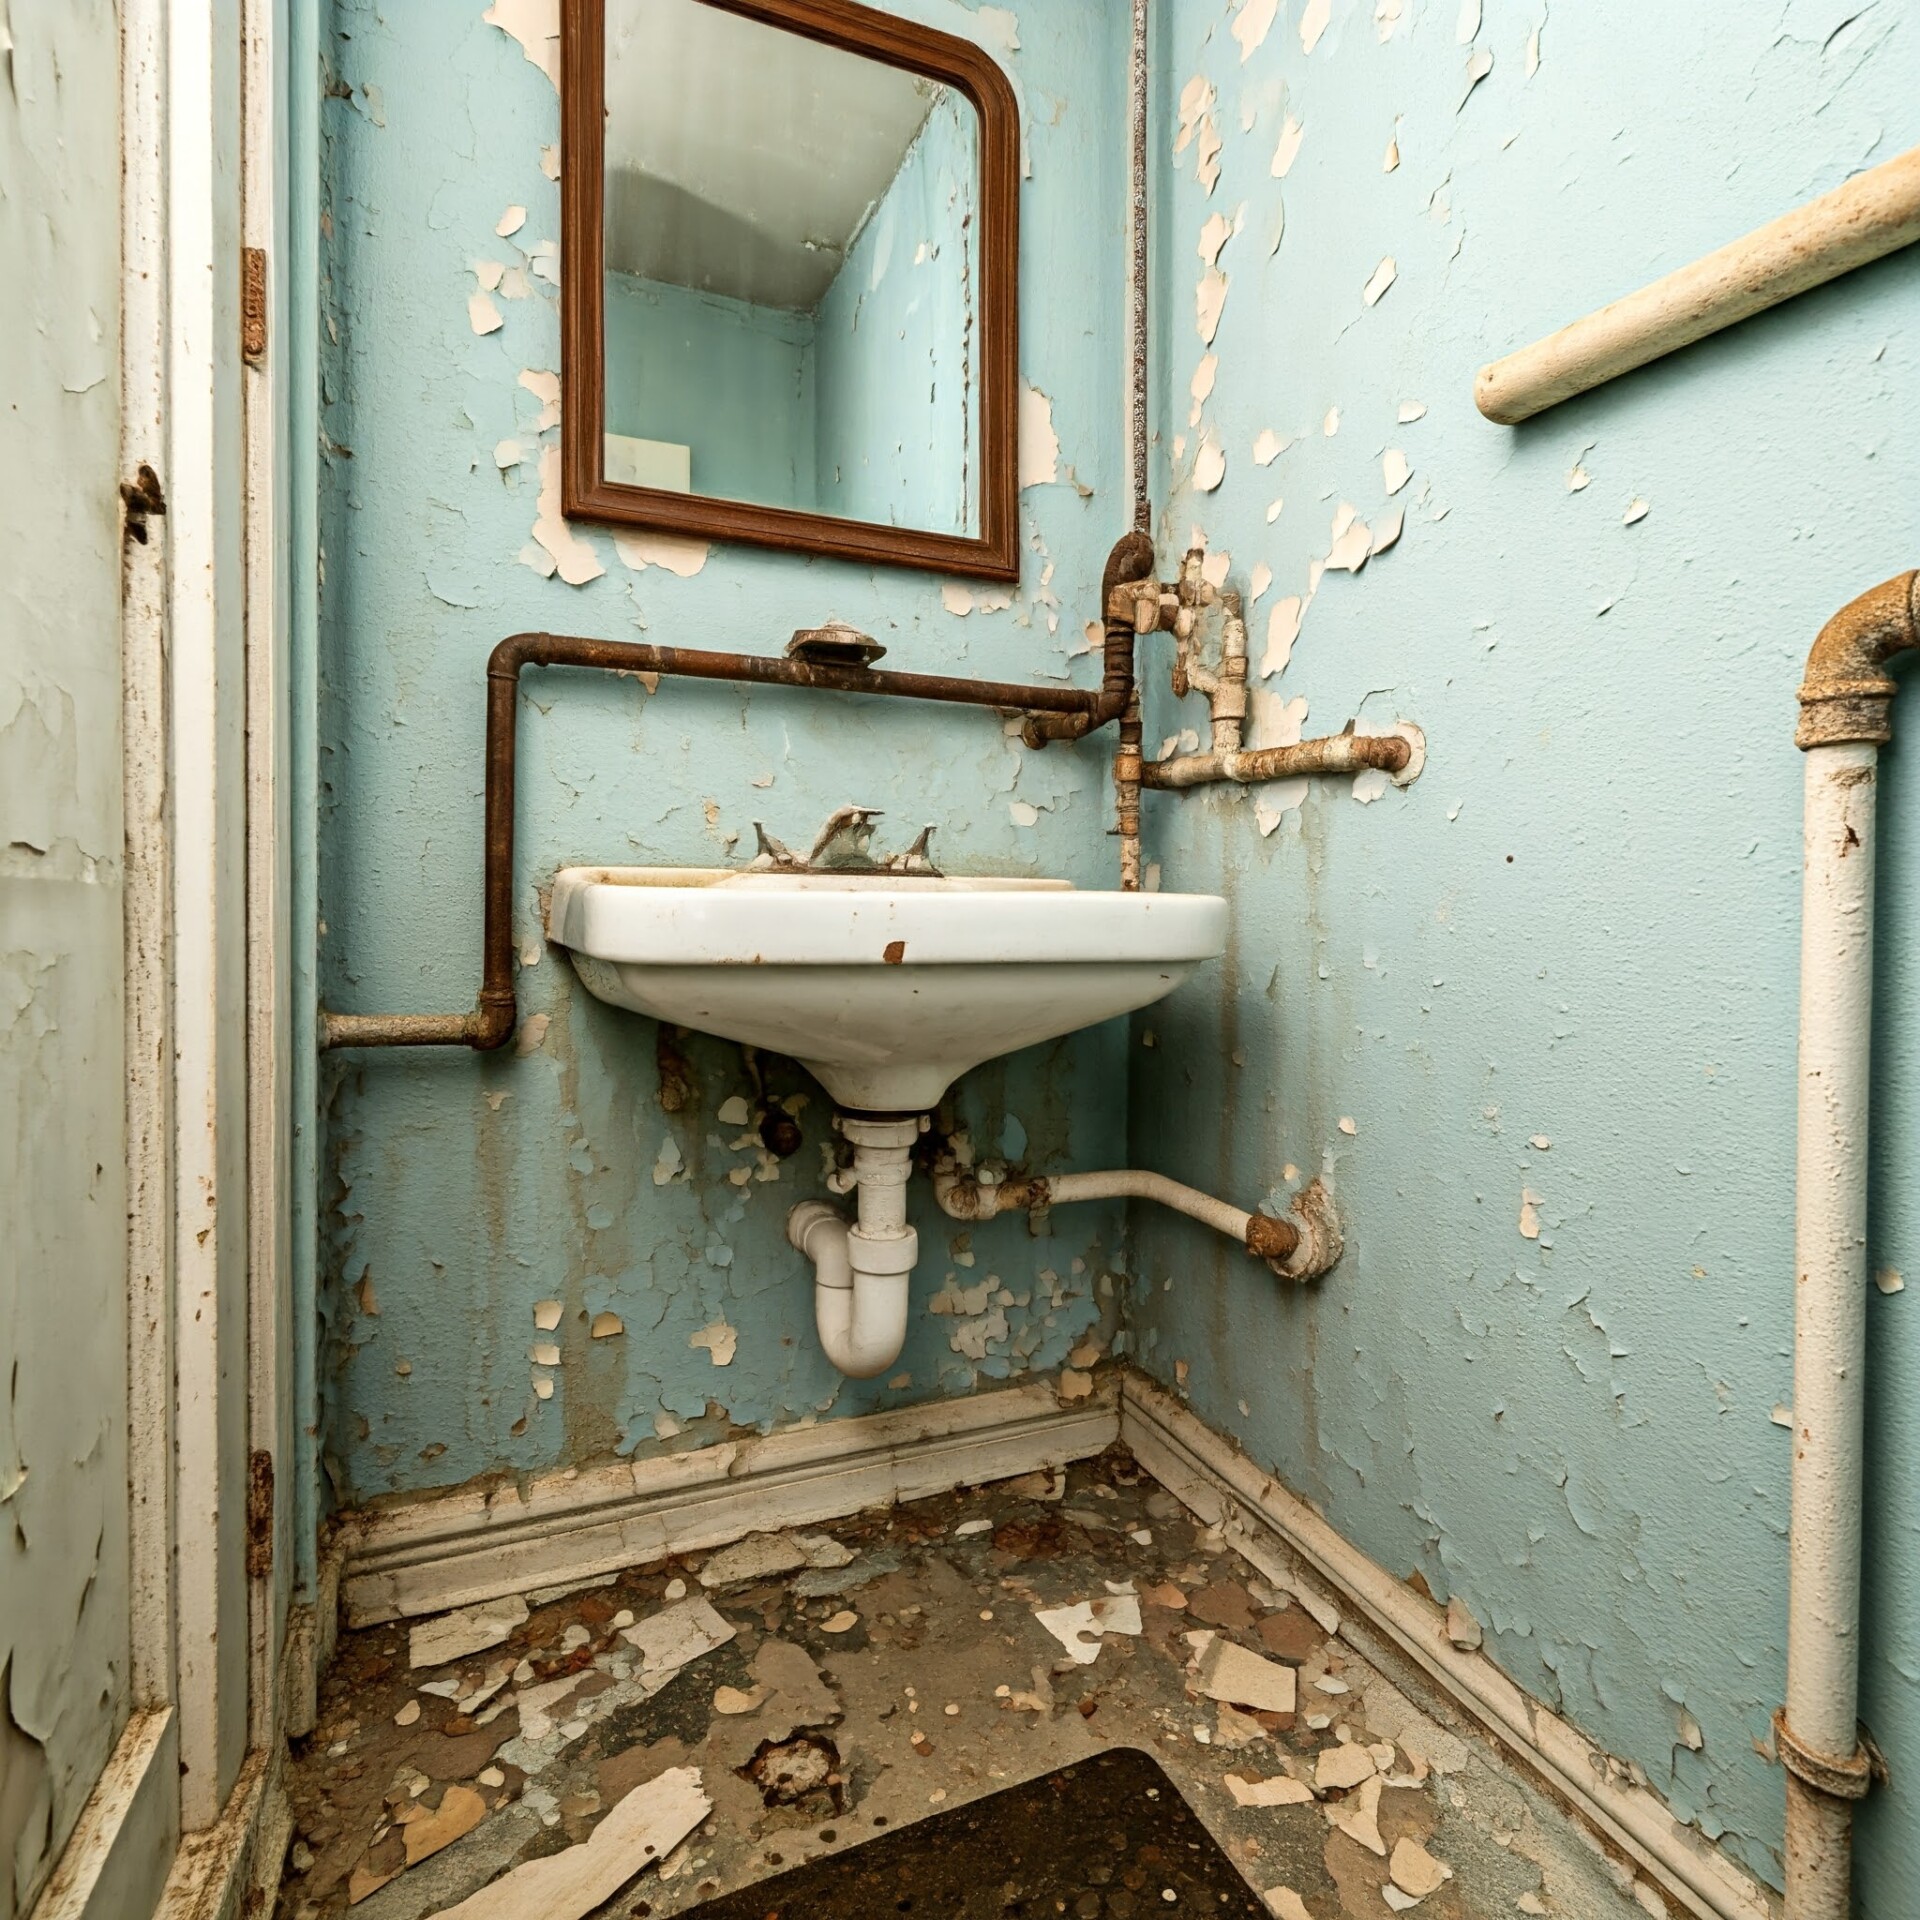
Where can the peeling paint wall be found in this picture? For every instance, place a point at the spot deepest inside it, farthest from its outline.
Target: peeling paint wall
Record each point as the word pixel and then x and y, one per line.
pixel 898 333
pixel 64 1593
pixel 1536 1014
pixel 529 1259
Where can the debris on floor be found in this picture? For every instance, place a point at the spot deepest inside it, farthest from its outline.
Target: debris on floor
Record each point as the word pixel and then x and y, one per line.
pixel 633 1747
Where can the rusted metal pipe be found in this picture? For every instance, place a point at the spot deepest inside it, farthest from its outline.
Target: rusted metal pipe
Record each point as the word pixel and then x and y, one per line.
pixel 1331 753
pixel 1126 794
pixel 1129 563
pixel 492 1021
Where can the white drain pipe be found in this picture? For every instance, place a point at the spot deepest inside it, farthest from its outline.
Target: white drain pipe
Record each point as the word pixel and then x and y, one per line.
pixel 862 1267
pixel 1846 717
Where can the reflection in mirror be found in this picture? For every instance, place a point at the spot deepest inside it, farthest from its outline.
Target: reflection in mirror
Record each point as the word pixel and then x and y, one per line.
pixel 792 256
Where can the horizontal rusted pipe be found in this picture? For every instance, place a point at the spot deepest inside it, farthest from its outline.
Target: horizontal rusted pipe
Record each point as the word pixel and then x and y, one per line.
pixel 1331 753
pixel 492 1021
pixel 1873 214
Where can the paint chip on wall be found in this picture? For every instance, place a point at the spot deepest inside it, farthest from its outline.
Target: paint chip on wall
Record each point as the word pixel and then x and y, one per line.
pixel 1210 296
pixel 1410 411
pixel 1395 471
pixel 1313 23
pixel 1209 464
pixel 1287 150
pixel 1252 24
pixel 1352 541
pixel 482 315
pixel 1347 1125
pixel 1196 99
pixel 1637 510
pixel 605 1326
pixel 573 559
pixel 1207 155
pixel 545 387
pixel 546 1315
pixel 536 25
pixel 1283 629
pixel 1888 1280
pixel 1331 424
pixel 511 222
pixel 1039 444
pixel 1382 277
pixel 1530 1204
pixel 1267 447
pixel 679 554
pixel 719 1340
pixel 1468 25
pixel 1477 70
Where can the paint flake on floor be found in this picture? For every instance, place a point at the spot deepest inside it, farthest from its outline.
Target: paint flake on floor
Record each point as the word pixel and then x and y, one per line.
pixel 663 1735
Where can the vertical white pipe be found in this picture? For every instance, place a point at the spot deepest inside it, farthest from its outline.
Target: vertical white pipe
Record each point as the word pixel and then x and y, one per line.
pixel 1830 1309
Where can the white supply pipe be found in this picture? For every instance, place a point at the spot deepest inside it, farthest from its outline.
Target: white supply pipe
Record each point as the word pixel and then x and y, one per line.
pixel 1873 214
pixel 863 1267
pixel 1303 1246
pixel 1847 715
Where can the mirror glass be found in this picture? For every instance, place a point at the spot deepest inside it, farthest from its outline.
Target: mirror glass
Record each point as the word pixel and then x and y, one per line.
pixel 791 240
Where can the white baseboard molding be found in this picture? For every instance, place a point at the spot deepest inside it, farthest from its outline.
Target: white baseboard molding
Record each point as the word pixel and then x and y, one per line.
pixel 477 1543
pixel 115 1863
pixel 1278 1531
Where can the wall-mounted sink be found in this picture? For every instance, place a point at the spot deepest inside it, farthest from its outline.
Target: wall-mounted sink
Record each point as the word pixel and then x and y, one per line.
pixel 886 987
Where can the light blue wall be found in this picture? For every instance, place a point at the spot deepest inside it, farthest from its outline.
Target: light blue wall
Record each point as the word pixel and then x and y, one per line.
pixel 731 381
pixel 455 1192
pixel 1580 927
pixel 897 343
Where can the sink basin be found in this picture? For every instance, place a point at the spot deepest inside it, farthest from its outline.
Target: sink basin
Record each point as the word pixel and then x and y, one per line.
pixel 885 987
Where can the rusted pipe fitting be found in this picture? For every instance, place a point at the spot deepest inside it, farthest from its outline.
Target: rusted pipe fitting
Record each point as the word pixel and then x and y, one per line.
pixel 1129 561
pixel 1847 694
pixel 1835 1779
pixel 1271 1239
pixel 1319 1242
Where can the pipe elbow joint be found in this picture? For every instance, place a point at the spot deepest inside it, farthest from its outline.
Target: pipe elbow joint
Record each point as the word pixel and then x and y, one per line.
pixel 1847 695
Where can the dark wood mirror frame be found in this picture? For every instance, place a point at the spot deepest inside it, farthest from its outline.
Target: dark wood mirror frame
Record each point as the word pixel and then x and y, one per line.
pixel 587 494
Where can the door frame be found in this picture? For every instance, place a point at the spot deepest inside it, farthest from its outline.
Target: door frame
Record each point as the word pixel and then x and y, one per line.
pixel 188 1811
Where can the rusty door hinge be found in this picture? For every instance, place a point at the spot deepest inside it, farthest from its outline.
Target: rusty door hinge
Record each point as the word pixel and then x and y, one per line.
pixel 143 500
pixel 259 1514
pixel 253 305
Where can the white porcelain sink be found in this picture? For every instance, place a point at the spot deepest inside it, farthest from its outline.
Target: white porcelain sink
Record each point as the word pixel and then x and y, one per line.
pixel 885 987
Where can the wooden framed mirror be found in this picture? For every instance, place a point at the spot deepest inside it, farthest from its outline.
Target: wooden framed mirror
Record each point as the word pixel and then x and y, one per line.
pixel 789 270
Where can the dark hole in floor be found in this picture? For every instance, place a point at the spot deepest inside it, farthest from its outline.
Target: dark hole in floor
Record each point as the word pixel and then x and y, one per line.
pixel 1109 1836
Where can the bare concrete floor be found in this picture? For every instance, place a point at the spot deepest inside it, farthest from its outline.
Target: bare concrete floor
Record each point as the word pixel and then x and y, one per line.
pixel 875 1672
